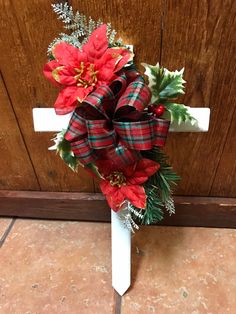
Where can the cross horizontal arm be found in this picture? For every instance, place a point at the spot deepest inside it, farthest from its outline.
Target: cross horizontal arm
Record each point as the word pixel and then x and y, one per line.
pixel 46 120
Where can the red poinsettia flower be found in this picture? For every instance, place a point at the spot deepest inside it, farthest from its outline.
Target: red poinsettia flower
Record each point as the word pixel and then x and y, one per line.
pixel 125 183
pixel 79 72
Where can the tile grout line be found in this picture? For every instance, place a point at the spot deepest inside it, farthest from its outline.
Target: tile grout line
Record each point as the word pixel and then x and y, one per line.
pixel 7 231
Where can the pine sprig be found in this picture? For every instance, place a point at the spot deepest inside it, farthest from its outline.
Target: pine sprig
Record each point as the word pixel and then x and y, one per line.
pixel 64 12
pixel 158 188
pixel 160 185
pixel 154 207
pixel 165 179
pixel 79 26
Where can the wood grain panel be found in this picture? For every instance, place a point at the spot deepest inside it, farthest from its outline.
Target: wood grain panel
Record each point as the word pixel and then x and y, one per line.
pixel 16 171
pixel 191 211
pixel 196 34
pixel 27 27
pixel 225 180
pixel 199 35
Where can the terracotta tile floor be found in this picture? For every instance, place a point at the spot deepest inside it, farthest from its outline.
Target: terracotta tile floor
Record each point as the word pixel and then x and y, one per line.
pixel 64 267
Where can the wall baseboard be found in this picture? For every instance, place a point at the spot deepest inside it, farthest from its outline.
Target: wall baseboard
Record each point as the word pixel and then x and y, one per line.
pixel 190 210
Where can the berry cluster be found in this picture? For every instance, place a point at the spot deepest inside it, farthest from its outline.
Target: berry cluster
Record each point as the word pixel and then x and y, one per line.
pixel 156 110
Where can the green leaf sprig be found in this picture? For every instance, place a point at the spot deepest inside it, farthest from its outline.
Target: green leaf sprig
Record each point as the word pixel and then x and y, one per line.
pixel 166 86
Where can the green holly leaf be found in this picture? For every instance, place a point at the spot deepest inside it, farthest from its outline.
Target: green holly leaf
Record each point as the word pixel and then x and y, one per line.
pixel 163 83
pixel 178 113
pixel 94 169
pixel 66 154
pixel 63 148
pixel 69 159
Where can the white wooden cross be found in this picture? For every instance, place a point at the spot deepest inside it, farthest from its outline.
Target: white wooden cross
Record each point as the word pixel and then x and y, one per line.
pixel 46 120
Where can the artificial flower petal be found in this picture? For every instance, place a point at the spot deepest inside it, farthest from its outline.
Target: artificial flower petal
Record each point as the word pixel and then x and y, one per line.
pixel 69 55
pixel 106 166
pixel 105 67
pixel 84 70
pixel 129 170
pixel 146 166
pixel 48 70
pixel 113 194
pixel 115 200
pixel 135 194
pixel 138 178
pixel 64 75
pixel 122 56
pixel 107 188
pixel 68 99
pixel 97 44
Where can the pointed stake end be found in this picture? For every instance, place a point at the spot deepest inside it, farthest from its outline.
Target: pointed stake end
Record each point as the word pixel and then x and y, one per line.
pixel 122 289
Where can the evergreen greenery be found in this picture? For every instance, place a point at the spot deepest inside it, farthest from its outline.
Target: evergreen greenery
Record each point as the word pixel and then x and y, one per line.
pixel 165 179
pixel 79 26
pixel 154 211
pixel 159 188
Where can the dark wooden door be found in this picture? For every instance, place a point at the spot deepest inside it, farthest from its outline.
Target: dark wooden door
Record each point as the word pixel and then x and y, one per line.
pixel 199 35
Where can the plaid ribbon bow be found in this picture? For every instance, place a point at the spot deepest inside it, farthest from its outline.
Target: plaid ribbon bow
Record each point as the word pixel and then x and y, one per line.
pixel 112 118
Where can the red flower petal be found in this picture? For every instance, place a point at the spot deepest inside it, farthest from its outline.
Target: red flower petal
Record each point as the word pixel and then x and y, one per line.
pixel 64 75
pixel 66 101
pixel 105 67
pixel 47 70
pixel 143 169
pixel 138 178
pixel 129 170
pixel 111 61
pixel 97 44
pixel 115 200
pixel 122 56
pixel 113 195
pixel 106 166
pixel 69 97
pixel 106 188
pixel 67 54
pixel 146 167
pixel 135 194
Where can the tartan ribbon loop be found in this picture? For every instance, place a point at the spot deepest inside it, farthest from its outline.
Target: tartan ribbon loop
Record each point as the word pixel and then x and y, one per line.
pixel 142 135
pixel 99 135
pixel 113 116
pixel 136 95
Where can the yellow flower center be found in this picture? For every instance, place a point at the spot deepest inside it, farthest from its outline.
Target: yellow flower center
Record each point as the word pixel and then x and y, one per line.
pixel 86 76
pixel 117 179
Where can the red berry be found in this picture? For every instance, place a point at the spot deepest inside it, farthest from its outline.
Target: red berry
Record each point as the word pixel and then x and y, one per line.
pixel 151 109
pixel 159 110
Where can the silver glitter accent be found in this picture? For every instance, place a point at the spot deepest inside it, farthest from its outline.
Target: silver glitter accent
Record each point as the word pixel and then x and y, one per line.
pixel 170 206
pixel 125 215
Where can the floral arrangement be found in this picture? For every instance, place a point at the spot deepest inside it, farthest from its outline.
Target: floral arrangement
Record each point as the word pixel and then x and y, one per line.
pixel 120 118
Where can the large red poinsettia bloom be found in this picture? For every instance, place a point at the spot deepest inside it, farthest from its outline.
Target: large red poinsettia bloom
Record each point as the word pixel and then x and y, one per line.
pixel 120 184
pixel 79 72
